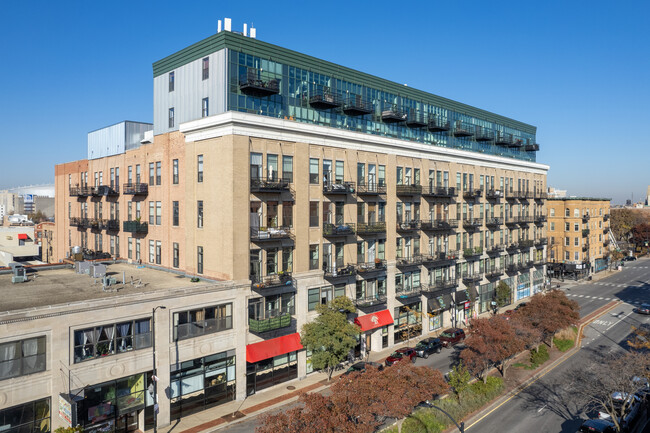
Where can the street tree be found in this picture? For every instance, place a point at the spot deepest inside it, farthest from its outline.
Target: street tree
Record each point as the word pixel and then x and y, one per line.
pixel 623 220
pixel 459 378
pixel 502 294
pixel 529 335
pixel 550 312
pixel 330 336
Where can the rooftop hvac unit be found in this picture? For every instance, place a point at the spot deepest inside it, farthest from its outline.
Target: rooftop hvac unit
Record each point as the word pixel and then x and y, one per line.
pixel 18 273
pixel 83 267
pixel 98 271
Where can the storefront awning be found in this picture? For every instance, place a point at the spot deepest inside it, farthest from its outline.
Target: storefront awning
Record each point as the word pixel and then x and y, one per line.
pixel 461 297
pixel 374 320
pixel 276 346
pixel 22 236
pixel 433 305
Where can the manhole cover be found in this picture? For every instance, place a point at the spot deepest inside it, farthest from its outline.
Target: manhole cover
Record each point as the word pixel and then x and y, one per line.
pixel 291 387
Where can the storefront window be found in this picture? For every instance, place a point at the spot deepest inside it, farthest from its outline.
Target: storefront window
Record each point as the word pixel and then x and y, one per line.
pixel 269 372
pixel 408 321
pixel 32 417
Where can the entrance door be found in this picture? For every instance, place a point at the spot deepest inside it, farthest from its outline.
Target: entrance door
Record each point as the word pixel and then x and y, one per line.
pixel 127 423
pixel 368 340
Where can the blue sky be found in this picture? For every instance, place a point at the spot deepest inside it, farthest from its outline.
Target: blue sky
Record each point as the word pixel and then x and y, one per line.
pixel 577 70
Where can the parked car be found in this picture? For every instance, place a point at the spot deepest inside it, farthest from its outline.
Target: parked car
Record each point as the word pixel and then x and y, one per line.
pixel 428 346
pixel 629 258
pixel 642 309
pixel 452 336
pixel 597 426
pixel 403 354
pixel 363 366
pixel 626 419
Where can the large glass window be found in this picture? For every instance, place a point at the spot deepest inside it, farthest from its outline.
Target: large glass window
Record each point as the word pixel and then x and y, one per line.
pixel 22 357
pixel 199 168
pixel 100 341
pixel 32 417
pixel 313 171
pixel 287 168
pixel 174 172
pixel 201 321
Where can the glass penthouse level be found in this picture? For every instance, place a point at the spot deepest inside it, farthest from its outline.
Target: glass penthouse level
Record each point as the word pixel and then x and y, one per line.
pixel 268 80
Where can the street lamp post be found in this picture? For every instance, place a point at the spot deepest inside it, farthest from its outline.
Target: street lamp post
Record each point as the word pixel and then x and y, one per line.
pixel 460 427
pixel 154 378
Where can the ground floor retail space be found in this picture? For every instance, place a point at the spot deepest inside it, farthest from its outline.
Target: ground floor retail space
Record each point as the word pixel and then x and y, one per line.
pixel 271 362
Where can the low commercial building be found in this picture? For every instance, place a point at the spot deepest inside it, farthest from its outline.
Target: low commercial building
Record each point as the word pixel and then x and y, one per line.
pixel 18 243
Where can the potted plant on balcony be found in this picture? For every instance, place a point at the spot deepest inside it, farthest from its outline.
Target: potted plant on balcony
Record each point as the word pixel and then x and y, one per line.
pixel 378 263
pixel 285 277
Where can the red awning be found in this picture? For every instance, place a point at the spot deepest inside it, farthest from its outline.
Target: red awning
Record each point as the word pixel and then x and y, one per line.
pixel 22 236
pixel 273 347
pixel 374 320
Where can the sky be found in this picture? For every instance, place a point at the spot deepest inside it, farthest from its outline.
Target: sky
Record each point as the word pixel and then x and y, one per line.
pixel 578 71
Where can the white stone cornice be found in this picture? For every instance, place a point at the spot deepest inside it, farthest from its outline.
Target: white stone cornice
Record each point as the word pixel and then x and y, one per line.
pixel 237 123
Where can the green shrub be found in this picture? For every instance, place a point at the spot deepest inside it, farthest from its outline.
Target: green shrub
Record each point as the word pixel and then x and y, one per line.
pixel 563 345
pixel 539 356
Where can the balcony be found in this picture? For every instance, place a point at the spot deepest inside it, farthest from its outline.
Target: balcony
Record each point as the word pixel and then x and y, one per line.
pixel 503 139
pixel 371 189
pixel 539 243
pixel 484 134
pixel 472 194
pixel 440 284
pixel 438 124
pixel 462 129
pixel 495 272
pixel 471 279
pixel 259 326
pixel 111 225
pixel 415 119
pixel 524 195
pixel 402 292
pixel 539 262
pixel 325 100
pixel 414 260
pixel 371 269
pixel 135 227
pixel 527 264
pixel 531 147
pixel 271 234
pixel 408 226
pixel 338 187
pixel 374 228
pixel 95 224
pixel 606 230
pixel 281 279
pixel 472 253
pixel 370 301
pixel 495 250
pixel 493 223
pixel 334 272
pixel 355 105
pixel 512 247
pixel 252 84
pixel 440 192
pixel 585 248
pixel 606 217
pixel 525 219
pixel 393 115
pixel 513 268
pixel 79 222
pixel 409 190
pixel 472 223
pixel 493 194
pixel 540 219
pixel 338 230
pixel 80 191
pixel 512 195
pixel 585 218
pixel 540 195
pixel 527 243
pixel 439 225
pixel 516 142
pixel 135 188
pixel 440 259
pixel 606 242
pixel 585 233
pixel 271 185
pixel 105 191
pixel 512 220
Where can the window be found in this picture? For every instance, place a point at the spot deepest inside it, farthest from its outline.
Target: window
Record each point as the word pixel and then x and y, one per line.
pixel 206 68
pixel 576 242
pixel 552 212
pixel 152 251
pixel 199 168
pixel 576 227
pixel 175 213
pixel 201 321
pixel 272 167
pixel 175 172
pixel 567 241
pixel 33 416
pixel 552 226
pixel 313 257
pixel 22 357
pixel 323 295
pixel 176 254
pixel 105 340
pixel 313 170
pixel 171 81
pixel 576 255
pixel 171 118
pixel 152 213
pixel 158 213
pixel 313 214
pixel 158 252
pixel 151 174
pixel 205 107
pixel 137 250
pixel 287 168
pixel 129 245
pixel 567 227
pixel 199 260
pixel 576 213
pixel 199 213
pixel 158 173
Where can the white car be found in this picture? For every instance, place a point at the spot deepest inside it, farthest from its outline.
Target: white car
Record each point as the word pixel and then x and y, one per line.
pixel 633 405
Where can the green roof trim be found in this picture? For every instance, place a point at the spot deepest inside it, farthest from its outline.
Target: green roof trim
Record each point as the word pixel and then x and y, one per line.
pixel 267 51
pixel 578 198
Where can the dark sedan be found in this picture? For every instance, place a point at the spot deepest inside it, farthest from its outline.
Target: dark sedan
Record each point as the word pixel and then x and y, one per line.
pixel 400 355
pixel 363 366
pixel 643 309
pixel 428 346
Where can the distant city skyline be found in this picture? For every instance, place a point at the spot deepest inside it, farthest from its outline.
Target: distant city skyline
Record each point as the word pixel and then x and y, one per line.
pixel 559 66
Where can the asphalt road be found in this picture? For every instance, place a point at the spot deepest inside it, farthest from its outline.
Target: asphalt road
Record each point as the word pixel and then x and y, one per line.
pixel 626 285
pixel 550 404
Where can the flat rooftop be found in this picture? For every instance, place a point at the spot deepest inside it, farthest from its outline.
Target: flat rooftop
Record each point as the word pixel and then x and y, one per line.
pixel 60 287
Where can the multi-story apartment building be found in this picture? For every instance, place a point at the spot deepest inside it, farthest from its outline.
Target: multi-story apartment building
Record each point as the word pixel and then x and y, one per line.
pixel 299 180
pixel 578 234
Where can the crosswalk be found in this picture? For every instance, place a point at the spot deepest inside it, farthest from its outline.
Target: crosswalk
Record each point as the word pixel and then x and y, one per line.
pixel 645 285
pixel 602 298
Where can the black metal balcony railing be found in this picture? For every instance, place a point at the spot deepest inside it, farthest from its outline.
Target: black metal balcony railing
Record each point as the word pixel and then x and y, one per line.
pixel 540 195
pixel 440 192
pixel 484 134
pixel 439 225
pixel 371 189
pixel 270 234
pixel 526 243
pixel 493 194
pixel 494 272
pixel 513 267
pixel 528 264
pixel 512 220
pixel 511 195
pixel 367 269
pixel 539 262
pixel 516 142
pixel 531 147
pixel 503 139
pixel 605 230
pixel 339 187
pixel 438 124
pixel 472 194
pixel 494 249
pixel 415 119
pixel 513 246
pixel 271 281
pixel 493 223
pixel 105 191
pixel 80 191
pixel 440 284
pixel 356 105
pixel 325 100
pixel 414 260
pixel 252 84
pixel 606 217
pixel 111 225
pixel 409 190
pixel 472 278
pixel 472 253
pixel 408 226
pixel 79 222
pixel 539 243
pixel 402 291
pixel 373 228
pixel 472 223
pixel 370 301
pixel 525 219
pixel 606 242
pixel 269 184
pixel 540 219
pixel 393 115
pixel 135 188
pixel 440 258
pixel 135 227
pixel 339 271
pixel 95 224
pixel 260 325
pixel 335 230
pixel 462 129
pixel 585 233
pixel 585 218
